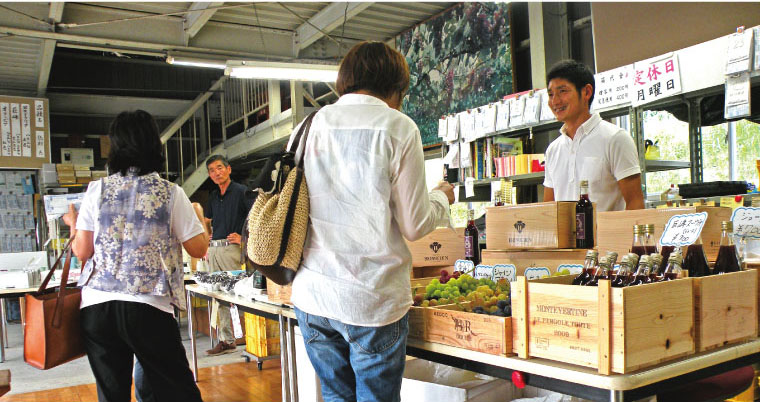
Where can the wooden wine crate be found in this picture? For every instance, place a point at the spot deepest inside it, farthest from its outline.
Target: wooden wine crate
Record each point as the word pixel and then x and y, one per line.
pixel 278 293
pixel 448 326
pixel 430 272
pixel 615 228
pixel 611 329
pixel 537 261
pixel 725 309
pixel 441 247
pixel 541 225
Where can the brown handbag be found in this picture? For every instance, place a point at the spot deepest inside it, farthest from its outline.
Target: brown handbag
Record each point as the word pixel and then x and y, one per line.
pixel 52 335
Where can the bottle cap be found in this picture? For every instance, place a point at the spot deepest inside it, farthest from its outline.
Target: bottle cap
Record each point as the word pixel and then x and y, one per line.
pixel 591 253
pixel 638 229
pixel 604 261
pixel 728 226
pixel 675 258
pixel 649 228
pixel 612 256
pixel 584 183
pixel 644 259
pixel 633 259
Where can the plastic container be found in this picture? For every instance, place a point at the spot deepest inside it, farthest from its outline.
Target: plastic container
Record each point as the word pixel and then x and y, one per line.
pixel 712 189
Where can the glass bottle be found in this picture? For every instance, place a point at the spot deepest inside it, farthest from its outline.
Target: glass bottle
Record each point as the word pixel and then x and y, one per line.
pixel 641 277
pixel 728 259
pixel 584 219
pixel 655 260
pixel 621 277
pixel 633 262
pixel 637 246
pixel 500 194
pixel 471 249
pixel 602 272
pixel 673 269
pixel 650 243
pixel 665 253
pixel 695 260
pixel 588 266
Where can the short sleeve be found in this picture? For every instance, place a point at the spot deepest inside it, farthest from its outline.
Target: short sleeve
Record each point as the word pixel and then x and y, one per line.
pixel 89 209
pixel 624 159
pixel 548 165
pixel 185 224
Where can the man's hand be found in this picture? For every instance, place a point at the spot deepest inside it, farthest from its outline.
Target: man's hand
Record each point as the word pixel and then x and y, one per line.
pixel 234 238
pixel 447 189
pixel 70 219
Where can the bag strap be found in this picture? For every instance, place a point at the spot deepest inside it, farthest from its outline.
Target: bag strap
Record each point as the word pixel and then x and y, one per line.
pixel 44 283
pixel 58 314
pixel 303 131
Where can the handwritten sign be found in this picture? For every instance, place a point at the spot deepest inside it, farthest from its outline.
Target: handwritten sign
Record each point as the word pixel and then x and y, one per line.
pixel 467 125
pixel 5 125
pixel 452 128
pixel 536 272
pixel 737 96
pixel 612 87
pixel 16 129
pixel 502 115
pixel 546 110
pixel 739 52
pixel 655 79
pixel 483 271
pixel 757 47
pixel 574 269
pixel 504 271
pixel 237 329
pixel 746 222
pixel 464 266
pixel 442 133
pixel 516 109
pixel 39 114
pixel 683 230
pixel 40 143
pixel 26 130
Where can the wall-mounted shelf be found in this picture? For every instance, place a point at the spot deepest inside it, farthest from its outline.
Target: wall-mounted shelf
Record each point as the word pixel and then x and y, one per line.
pixel 519 180
pixel 659 166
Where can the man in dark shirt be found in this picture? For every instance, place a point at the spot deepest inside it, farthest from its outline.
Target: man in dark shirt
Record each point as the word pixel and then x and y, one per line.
pixel 226 212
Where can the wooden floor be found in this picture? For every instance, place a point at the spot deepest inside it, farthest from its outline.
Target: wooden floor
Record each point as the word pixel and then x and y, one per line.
pixel 229 383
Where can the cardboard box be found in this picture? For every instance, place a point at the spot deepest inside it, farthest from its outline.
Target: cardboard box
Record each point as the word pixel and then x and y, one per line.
pixel 616 330
pixel 83 180
pixel 543 225
pixel 426 381
pixel 64 167
pixel 615 229
pixel 82 173
pixel 537 263
pixel 440 247
pixel 277 293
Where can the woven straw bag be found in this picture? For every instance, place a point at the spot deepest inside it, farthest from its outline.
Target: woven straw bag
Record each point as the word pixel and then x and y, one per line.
pixel 275 230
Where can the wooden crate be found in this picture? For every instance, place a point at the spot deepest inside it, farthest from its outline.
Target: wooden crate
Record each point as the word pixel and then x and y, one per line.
pixel 543 225
pixel 611 329
pixel 615 228
pixel 440 247
pixel 448 326
pixel 725 309
pixel 277 293
pixel 537 261
pixel 430 272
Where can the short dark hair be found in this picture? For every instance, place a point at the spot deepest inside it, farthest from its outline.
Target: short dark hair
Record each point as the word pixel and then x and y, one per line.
pixel 374 67
pixel 214 158
pixel 577 73
pixel 135 143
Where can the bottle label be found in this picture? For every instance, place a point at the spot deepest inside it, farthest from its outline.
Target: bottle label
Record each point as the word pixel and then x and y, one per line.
pixel 468 246
pixel 580 229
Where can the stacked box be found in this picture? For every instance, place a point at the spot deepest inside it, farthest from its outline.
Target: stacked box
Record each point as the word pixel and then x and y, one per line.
pixel 441 247
pixel 262 337
pixel 66 173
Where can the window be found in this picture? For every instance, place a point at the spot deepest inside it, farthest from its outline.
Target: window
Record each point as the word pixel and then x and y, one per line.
pixel 730 151
pixel 670 136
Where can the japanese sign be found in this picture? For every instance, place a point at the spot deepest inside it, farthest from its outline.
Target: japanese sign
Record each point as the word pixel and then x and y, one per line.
pixel 442 127
pixel 536 272
pixel 452 126
pixel 40 144
pixel 746 222
pixel 467 125
pixel 504 271
pixel 655 79
pixel 757 48
pixel 15 129
pixel 483 271
pixel 26 130
pixel 574 269
pixel 516 109
pixel 39 114
pixel 502 115
pixel 737 96
pixel 5 125
pixel 546 110
pixel 739 52
pixel 683 230
pixel 464 266
pixel 613 87
pixel 485 120
pixel 237 329
pixel 532 109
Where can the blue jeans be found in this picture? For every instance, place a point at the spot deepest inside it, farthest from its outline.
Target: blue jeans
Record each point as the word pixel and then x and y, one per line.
pixel 356 363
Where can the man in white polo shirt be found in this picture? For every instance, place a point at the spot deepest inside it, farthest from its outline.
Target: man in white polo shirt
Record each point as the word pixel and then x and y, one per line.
pixel 588 148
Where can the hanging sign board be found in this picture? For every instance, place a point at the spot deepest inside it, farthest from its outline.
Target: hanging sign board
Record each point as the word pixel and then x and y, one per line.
pixel 654 79
pixel 483 271
pixel 504 271
pixel 613 88
pixel 546 110
pixel 739 58
pixel 683 230
pixel 737 96
pixel 757 47
pixel 24 132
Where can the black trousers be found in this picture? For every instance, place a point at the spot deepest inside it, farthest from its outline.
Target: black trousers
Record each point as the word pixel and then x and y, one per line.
pixel 116 331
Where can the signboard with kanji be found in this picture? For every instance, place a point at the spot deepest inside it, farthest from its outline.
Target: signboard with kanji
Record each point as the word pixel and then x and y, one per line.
pixel 654 79
pixel 24 132
pixel 612 88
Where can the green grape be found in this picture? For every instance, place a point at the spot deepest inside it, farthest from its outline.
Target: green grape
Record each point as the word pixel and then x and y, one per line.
pixel 437 293
pixel 435 281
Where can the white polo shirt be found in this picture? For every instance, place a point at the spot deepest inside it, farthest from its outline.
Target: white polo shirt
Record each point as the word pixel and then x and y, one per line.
pixel 601 153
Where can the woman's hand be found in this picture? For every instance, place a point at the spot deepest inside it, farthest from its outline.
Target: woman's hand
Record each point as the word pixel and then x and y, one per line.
pixel 70 219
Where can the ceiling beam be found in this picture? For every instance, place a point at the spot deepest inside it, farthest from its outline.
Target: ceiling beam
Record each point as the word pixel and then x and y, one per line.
pixel 326 20
pixel 48 48
pixel 195 20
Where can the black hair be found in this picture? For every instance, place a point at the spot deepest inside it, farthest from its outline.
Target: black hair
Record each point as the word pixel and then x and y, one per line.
pixel 214 158
pixel 135 143
pixel 577 73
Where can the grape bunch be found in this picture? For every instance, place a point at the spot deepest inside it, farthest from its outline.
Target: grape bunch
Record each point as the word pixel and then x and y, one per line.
pixel 474 295
pixel 565 271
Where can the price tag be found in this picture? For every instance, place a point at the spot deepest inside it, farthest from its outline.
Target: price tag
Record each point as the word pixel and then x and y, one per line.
pixel 746 222
pixel 237 329
pixel 452 128
pixel 532 109
pixel 536 272
pixel 483 271
pixel 442 131
pixel 464 266
pixel 739 52
pixel 516 109
pixel 504 271
pixel 502 115
pixel 737 97
pixel 574 269
pixel 469 187
pixel 683 230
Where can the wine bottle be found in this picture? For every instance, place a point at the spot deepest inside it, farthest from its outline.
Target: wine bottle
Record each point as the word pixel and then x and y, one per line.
pixel 471 249
pixel 584 219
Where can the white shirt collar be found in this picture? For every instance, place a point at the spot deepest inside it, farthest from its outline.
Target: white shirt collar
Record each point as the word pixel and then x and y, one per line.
pixel 585 128
pixel 360 99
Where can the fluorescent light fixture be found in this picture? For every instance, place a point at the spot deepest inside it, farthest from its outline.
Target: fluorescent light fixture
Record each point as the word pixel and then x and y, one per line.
pixel 191 62
pixel 282 71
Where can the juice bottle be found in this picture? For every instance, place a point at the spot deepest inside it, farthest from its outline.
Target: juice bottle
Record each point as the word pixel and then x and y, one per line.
pixel 641 277
pixel 665 253
pixel 650 244
pixel 637 246
pixel 471 249
pixel 621 277
pixel 728 260
pixel 603 272
pixel 655 260
pixel 584 219
pixel 695 261
pixel 588 266
pixel 673 269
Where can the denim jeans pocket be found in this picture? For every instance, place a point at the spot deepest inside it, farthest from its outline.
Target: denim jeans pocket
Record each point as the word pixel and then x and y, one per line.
pixel 378 339
pixel 306 323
